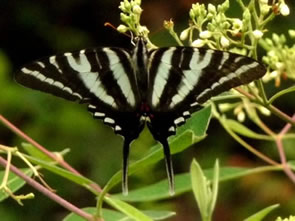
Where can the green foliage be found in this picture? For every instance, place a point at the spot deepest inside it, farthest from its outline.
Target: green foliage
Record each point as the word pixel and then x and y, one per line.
pixel 14 183
pixel 262 213
pixel 205 195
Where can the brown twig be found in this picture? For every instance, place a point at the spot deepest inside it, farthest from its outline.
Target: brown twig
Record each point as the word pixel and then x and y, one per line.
pixel 280 146
pixel 48 193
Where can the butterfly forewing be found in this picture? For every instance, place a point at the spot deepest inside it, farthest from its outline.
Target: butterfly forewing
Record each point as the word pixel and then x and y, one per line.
pixel 101 77
pixel 181 77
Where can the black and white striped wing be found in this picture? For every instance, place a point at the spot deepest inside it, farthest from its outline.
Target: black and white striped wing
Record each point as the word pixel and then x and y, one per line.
pixel 103 78
pixel 182 78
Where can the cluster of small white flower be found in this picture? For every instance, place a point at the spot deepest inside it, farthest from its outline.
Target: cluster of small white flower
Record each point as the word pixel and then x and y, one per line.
pixel 219 31
pixel 130 15
pixel 280 58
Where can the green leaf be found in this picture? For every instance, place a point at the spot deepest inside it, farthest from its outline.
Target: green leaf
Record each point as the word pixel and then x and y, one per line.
pixel 108 215
pixel 35 152
pixel 262 213
pixel 192 132
pixel 61 172
pixel 215 182
pixel 112 215
pixel 159 214
pixel 200 189
pixel 127 209
pixel 242 130
pixel 14 182
pixel 158 191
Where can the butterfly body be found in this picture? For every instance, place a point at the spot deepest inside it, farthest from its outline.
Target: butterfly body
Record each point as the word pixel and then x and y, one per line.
pixel 128 89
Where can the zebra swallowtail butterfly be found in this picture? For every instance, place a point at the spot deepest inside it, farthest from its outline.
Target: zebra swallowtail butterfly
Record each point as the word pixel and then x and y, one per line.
pixel 128 89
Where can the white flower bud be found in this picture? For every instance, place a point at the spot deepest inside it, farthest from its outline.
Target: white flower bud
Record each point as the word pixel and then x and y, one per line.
pixel 292 33
pixel 274 74
pixel 247 15
pixel 276 38
pixel 271 53
pixel 224 107
pixel 264 111
pixel 137 9
pixel 127 5
pixel 265 9
pixel 211 8
pixel 280 65
pixel 122 28
pixel 257 34
pixel 284 9
pixel 241 116
pixel 184 34
pixel 205 34
pixel 198 43
pixel 124 18
pixel 224 42
pixel 138 2
pixel 237 24
pixel 143 30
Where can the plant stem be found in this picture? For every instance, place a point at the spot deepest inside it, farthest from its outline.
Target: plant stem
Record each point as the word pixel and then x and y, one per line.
pixel 247 146
pixel 272 108
pixel 48 193
pixel 280 146
pixel 44 150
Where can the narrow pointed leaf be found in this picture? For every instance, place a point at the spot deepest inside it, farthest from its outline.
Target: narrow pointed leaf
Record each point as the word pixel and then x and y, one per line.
pixel 242 130
pixel 215 183
pixel 108 215
pixel 14 182
pixel 200 188
pixel 259 216
pixel 127 209
pixel 35 152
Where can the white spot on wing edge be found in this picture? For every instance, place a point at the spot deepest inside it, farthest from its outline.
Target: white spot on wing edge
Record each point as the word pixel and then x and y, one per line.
pixel 171 129
pixel 118 128
pixel 99 114
pixel 91 106
pixel 26 71
pixel 179 120
pixel 186 114
pixel 109 120
pixel 194 104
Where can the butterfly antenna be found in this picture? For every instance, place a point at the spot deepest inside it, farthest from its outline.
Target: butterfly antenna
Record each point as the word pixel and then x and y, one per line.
pixel 169 166
pixel 125 166
pixel 108 24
